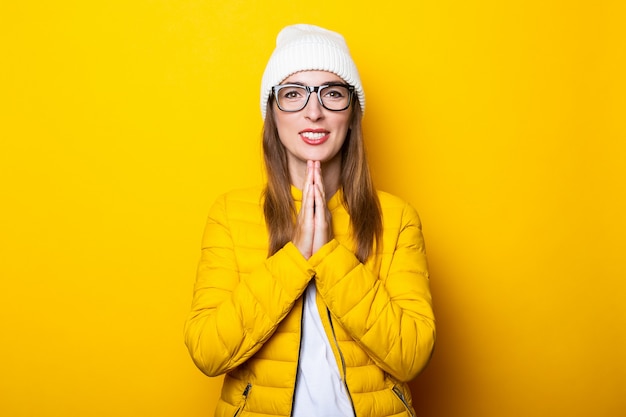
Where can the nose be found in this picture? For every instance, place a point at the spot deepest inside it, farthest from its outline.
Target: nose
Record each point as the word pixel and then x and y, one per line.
pixel 313 109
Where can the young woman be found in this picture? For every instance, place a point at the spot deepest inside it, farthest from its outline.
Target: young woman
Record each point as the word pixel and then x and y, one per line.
pixel 312 294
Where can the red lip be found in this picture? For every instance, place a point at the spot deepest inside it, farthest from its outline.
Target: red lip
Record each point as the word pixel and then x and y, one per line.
pixel 318 139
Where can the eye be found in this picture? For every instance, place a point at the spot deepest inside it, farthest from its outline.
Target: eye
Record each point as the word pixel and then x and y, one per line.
pixel 291 93
pixel 335 92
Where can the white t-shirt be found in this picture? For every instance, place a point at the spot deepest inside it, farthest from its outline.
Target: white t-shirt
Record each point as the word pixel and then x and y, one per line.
pixel 319 388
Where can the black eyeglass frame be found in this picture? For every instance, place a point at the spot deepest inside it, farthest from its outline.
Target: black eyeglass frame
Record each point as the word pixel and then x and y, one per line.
pixel 313 89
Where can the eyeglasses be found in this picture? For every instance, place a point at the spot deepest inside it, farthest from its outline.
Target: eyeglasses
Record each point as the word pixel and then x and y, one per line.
pixel 294 97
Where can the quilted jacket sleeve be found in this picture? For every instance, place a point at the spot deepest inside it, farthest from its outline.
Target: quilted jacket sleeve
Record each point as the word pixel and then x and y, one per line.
pixel 389 316
pixel 232 313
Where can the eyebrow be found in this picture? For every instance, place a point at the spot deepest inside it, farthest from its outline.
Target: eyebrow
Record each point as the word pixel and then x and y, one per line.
pixel 305 85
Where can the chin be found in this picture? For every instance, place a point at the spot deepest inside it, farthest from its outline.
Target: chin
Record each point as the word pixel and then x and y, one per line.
pixel 322 158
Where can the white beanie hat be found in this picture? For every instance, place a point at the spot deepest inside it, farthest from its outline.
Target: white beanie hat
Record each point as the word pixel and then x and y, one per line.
pixel 308 47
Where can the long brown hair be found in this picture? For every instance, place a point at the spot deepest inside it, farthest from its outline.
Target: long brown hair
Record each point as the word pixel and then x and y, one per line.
pixel 360 198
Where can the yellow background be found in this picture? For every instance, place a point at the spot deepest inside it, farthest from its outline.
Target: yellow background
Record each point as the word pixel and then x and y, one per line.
pixel 501 121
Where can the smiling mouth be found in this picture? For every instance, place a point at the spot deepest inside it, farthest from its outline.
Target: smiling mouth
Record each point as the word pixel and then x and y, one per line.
pixel 315 136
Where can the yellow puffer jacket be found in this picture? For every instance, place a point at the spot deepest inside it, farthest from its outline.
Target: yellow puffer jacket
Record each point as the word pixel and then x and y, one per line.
pixel 246 313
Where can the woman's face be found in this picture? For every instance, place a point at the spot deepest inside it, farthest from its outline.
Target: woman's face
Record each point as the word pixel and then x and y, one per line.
pixel 313 133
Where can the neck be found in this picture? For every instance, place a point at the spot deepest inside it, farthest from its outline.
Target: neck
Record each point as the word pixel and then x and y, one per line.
pixel 331 175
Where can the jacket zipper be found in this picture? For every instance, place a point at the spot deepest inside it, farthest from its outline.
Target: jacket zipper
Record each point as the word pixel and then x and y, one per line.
pixel 343 362
pixel 295 383
pixel 245 393
pixel 400 396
